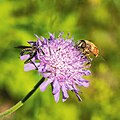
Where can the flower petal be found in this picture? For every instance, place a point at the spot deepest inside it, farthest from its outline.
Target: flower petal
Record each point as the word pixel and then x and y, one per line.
pixel 36 36
pixel 39 42
pixel 56 87
pixel 24 57
pixel 85 83
pixel 82 82
pixel 87 72
pixel 46 75
pixel 29 66
pixel 51 36
pixel 57 96
pixel 64 93
pixel 45 84
pixel 40 68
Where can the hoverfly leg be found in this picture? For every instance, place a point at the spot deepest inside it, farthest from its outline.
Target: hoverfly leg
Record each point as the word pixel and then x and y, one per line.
pixel 89 61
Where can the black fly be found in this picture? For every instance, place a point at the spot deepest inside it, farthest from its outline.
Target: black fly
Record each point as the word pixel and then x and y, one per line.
pixel 30 50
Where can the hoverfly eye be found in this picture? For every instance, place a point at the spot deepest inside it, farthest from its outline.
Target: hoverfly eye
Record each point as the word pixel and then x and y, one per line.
pixel 82 44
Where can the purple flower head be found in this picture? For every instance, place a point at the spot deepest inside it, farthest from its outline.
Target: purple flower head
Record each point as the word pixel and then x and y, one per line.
pixel 60 62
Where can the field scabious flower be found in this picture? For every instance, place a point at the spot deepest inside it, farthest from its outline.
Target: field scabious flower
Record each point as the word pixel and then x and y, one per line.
pixel 60 62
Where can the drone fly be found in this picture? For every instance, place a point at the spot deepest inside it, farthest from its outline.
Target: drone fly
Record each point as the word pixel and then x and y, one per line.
pixel 88 47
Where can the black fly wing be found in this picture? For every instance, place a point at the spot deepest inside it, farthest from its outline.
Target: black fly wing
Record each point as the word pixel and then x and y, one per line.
pixel 23 47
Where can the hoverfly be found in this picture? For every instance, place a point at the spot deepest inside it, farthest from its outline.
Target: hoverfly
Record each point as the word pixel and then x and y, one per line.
pixel 87 47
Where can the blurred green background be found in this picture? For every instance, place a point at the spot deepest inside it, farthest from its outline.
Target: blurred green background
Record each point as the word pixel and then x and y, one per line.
pixel 97 20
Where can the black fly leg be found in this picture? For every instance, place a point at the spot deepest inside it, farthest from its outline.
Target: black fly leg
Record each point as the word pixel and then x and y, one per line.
pixel 34 64
pixel 31 56
pixel 29 59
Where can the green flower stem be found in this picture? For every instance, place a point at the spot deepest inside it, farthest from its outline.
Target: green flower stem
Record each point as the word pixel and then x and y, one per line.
pixel 11 110
pixel 33 90
pixel 21 102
